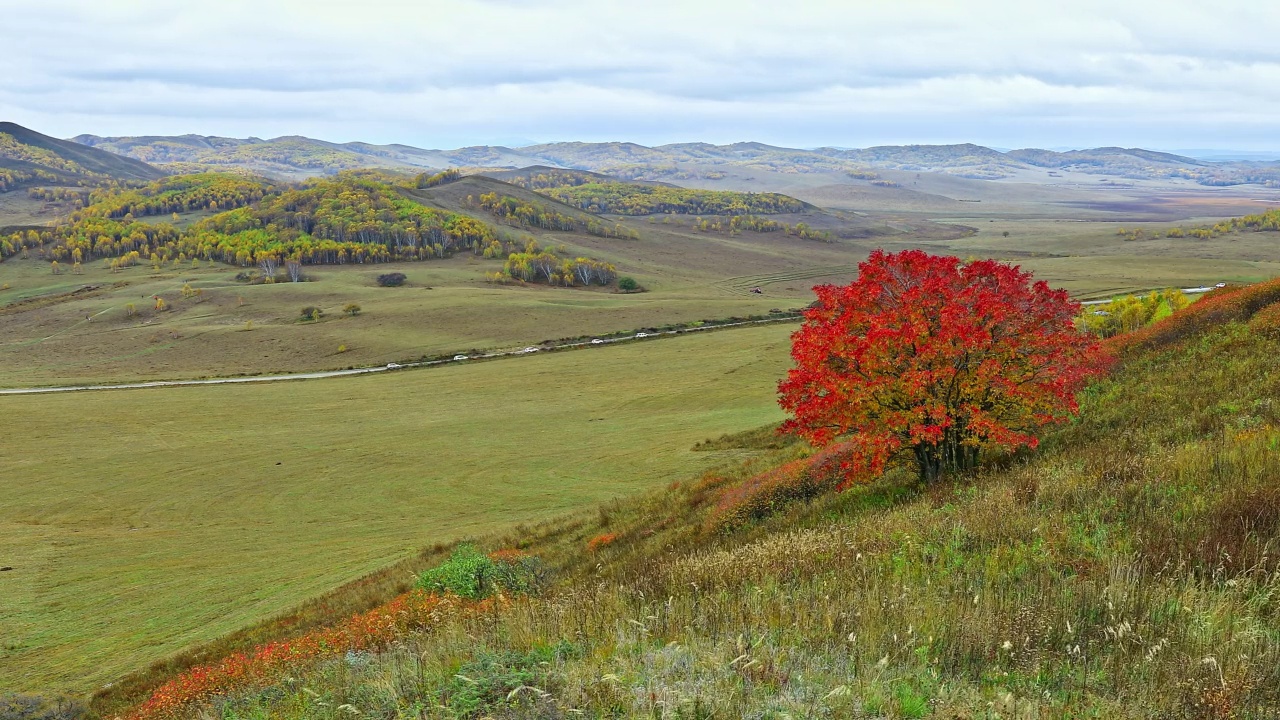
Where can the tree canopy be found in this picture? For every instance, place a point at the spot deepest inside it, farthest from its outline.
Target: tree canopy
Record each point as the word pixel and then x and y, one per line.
pixel 935 359
pixel 333 220
pixel 631 199
pixel 178 194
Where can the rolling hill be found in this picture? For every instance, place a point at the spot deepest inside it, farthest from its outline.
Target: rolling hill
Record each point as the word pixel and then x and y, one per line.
pixel 29 158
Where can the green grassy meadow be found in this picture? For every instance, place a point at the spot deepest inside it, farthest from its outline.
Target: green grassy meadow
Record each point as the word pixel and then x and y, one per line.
pixel 147 521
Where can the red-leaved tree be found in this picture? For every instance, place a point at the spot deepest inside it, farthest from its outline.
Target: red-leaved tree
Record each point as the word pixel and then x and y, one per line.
pixel 935 358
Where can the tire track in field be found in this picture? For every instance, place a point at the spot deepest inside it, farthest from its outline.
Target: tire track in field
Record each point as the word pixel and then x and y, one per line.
pixel 742 284
pixel 585 344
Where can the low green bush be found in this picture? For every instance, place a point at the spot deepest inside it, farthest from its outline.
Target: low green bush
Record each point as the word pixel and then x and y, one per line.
pixel 470 573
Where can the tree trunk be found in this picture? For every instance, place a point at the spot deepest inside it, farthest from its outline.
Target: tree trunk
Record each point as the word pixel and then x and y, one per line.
pixel 951 454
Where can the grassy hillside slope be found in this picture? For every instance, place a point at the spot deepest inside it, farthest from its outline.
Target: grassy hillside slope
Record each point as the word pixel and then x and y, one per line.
pixel 151 520
pixel 54 160
pixel 1127 569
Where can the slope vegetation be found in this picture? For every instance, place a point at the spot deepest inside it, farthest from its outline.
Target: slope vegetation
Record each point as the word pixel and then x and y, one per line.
pixel 1128 569
pixel 28 158
pixel 327 221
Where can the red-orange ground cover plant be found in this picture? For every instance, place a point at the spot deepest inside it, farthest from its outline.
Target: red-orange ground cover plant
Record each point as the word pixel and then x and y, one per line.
pixel 267 663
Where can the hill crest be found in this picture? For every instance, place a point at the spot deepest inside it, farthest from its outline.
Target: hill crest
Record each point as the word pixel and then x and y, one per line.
pixel 43 159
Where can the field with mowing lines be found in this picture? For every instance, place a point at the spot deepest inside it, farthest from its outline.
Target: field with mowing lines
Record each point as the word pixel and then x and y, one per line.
pixel 145 521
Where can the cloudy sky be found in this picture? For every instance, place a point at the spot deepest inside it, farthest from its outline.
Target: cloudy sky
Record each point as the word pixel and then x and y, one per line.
pixel 1170 74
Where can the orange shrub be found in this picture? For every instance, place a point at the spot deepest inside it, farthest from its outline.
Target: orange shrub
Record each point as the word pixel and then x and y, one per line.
pixel 600 541
pixel 508 555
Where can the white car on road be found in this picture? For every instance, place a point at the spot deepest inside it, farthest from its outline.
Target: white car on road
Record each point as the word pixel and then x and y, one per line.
pixel 392 366
pixel 530 349
pixel 461 357
pixel 640 335
pixel 597 341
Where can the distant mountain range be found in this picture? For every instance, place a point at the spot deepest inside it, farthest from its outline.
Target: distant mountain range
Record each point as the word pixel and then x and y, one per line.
pixel 300 156
pixel 39 158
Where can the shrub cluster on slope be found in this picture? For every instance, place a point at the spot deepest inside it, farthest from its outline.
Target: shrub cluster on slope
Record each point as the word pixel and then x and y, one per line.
pixel 1268 221
pixel 528 214
pixel 537 264
pixel 469 583
pixel 1223 305
pixel 629 199
pixel 1128 569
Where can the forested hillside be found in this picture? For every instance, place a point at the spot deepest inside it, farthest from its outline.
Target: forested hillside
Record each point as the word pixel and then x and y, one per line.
pixel 345 219
pixel 28 158
pixel 179 194
pixel 356 217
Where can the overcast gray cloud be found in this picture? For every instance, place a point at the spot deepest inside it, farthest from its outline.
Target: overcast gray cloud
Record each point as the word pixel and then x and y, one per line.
pixel 445 73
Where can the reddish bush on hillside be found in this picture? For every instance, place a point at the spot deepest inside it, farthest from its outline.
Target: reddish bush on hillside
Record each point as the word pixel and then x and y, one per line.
pixel 936 358
pixel 508 555
pixel 1267 321
pixel 600 541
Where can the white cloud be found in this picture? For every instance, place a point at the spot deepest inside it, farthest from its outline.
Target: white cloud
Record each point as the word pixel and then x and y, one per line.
pixel 804 72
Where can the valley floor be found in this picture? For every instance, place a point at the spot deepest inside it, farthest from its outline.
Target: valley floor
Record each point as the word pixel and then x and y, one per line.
pixel 146 521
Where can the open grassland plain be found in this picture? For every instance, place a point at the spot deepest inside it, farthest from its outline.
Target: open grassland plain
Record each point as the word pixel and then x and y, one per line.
pixel 142 522
pixel 102 326
pixel 55 331
pixel 91 324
